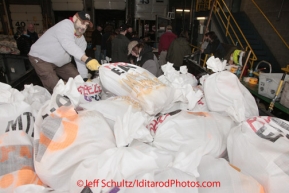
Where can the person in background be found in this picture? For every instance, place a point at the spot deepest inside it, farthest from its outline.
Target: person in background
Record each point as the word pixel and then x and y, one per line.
pixel 109 44
pixel 96 43
pixel 129 33
pixel 117 30
pixel 108 30
pixel 164 44
pixel 119 46
pixel 23 41
pixel 135 36
pixel 210 45
pixel 51 54
pixel 31 32
pixel 145 57
pixel 179 48
pixel 214 45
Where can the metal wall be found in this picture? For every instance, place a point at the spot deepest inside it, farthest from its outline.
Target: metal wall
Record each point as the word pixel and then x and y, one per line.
pixel 22 15
pixel 110 4
pixel 67 5
pixel 148 9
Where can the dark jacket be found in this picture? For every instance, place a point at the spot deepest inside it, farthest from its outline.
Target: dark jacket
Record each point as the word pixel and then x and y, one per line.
pixel 119 49
pixel 104 40
pixel 96 38
pixel 129 36
pixel 24 44
pixel 108 48
pixel 145 54
pixel 33 36
pixel 177 50
pixel 216 48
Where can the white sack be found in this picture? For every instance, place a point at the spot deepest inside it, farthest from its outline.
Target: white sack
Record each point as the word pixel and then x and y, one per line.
pixel 167 180
pixel 216 175
pixel 115 164
pixel 180 77
pixel 224 93
pixel 111 75
pixel 125 79
pixel 124 161
pixel 16 140
pixel 90 91
pixel 191 135
pixel 259 147
pixel 183 84
pixel 172 130
pixel 163 158
pixel 215 64
pixel 67 94
pixel 64 140
pixel 32 188
pixel 113 107
pixel 131 126
pixel 200 106
pixel 36 96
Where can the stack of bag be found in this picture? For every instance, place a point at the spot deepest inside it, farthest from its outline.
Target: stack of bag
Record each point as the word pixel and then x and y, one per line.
pixel 128 125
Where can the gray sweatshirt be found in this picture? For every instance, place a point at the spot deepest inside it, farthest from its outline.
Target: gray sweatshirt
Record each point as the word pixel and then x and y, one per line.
pixel 58 43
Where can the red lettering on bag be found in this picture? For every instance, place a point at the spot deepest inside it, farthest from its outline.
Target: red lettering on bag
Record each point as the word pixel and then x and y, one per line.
pixel 89 90
pixel 252 120
pixel 200 102
pixel 155 123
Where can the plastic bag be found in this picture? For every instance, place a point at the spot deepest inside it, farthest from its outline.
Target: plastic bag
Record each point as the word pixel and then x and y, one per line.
pixel 191 135
pixel 259 147
pixel 216 175
pixel 183 84
pixel 113 107
pixel 125 79
pixel 16 140
pixel 224 93
pixel 64 140
pixel 166 180
pixel 36 96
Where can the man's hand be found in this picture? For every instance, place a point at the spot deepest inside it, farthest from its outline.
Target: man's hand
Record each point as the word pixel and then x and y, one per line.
pixel 92 64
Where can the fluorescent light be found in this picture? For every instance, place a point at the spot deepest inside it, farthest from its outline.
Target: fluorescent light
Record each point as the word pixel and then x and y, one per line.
pixel 186 10
pixel 201 18
pixel 179 10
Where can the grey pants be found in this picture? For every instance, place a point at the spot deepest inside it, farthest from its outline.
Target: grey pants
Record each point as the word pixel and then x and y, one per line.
pixel 49 73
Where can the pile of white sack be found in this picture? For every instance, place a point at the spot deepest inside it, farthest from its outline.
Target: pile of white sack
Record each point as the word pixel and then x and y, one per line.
pixel 128 131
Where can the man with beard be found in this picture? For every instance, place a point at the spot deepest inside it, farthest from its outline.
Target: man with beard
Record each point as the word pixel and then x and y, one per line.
pixel 51 54
pixel 31 32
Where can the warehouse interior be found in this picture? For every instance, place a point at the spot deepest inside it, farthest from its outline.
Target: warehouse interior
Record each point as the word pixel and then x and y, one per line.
pixel 126 130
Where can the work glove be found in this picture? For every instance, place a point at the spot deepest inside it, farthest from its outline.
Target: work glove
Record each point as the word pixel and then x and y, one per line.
pixel 92 64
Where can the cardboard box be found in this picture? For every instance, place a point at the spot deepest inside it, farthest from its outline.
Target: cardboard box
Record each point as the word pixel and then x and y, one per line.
pixel 268 84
